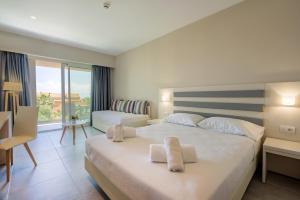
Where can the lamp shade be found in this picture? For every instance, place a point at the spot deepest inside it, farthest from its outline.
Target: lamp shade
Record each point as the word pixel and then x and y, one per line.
pixel 12 86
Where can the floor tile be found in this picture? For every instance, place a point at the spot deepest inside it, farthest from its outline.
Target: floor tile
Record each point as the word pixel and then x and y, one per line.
pixel 29 176
pixel 4 187
pixel 269 190
pixel 51 189
pixel 71 151
pixel 24 161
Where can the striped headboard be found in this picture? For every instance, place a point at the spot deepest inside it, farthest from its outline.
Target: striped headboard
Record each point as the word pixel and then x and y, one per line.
pixel 235 101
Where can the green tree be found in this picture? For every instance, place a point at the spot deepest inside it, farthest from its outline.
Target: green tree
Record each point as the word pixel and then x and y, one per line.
pixel 83 111
pixel 45 103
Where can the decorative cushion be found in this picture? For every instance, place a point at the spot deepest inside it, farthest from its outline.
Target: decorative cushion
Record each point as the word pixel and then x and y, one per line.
pixel 129 106
pixel 140 107
pixel 121 106
pixel 114 103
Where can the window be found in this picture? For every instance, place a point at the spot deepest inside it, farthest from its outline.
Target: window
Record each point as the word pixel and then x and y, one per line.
pixel 55 79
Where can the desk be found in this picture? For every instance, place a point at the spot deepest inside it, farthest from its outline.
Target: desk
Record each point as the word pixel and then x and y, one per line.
pixel 5 131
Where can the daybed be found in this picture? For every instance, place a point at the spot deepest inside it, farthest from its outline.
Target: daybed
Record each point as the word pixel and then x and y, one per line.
pixel 129 113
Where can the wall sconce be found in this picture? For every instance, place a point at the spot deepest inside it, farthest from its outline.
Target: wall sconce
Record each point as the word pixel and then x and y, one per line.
pixel 165 98
pixel 288 100
pixel 165 102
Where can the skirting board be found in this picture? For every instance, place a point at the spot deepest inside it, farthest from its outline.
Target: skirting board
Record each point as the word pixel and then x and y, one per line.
pixel 115 194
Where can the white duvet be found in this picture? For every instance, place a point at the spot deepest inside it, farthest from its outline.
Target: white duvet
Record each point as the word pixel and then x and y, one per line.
pixel 102 120
pixel 222 160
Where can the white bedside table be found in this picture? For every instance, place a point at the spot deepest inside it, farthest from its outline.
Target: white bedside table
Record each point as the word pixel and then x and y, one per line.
pixel 154 121
pixel 279 147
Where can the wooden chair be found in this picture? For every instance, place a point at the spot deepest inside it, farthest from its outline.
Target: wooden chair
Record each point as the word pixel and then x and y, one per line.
pixel 24 130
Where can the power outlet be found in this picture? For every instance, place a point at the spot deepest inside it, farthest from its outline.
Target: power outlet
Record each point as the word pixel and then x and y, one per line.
pixel 286 129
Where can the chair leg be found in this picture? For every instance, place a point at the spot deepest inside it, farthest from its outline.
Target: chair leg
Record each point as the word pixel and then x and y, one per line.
pixel 8 165
pixel 12 156
pixel 63 133
pixel 30 154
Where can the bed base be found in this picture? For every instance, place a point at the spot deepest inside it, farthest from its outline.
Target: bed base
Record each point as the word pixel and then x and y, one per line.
pixel 239 192
pixel 115 194
pixel 104 183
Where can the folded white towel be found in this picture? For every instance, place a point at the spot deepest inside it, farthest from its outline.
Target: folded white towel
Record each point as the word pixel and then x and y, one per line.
pixel 118 133
pixel 174 154
pixel 128 132
pixel 158 153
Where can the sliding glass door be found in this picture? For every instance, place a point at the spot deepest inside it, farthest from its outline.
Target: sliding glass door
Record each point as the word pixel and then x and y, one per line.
pixel 48 92
pixel 78 88
pixel 62 91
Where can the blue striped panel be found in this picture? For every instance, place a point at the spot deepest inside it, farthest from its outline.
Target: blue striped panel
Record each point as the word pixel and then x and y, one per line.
pixel 225 106
pixel 230 93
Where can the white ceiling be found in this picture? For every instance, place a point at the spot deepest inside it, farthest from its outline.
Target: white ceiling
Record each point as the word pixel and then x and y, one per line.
pixel 86 24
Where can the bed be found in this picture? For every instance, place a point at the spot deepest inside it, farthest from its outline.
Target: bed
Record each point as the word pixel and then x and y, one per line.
pixel 102 120
pixel 226 163
pixel 222 161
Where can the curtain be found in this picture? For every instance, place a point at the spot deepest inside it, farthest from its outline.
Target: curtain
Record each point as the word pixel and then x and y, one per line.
pixel 14 67
pixel 101 88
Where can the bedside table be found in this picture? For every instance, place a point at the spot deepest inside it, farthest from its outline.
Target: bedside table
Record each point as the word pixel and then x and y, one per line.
pixel 154 121
pixel 279 147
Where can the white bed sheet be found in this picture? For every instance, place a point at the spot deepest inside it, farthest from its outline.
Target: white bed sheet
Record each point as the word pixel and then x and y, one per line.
pixel 102 120
pixel 222 160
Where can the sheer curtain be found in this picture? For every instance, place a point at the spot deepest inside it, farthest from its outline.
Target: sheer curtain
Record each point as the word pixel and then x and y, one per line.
pixel 14 67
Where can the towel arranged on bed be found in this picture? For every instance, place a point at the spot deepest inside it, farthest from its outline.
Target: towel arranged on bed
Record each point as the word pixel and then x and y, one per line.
pixel 174 154
pixel 158 153
pixel 118 134
pixel 120 131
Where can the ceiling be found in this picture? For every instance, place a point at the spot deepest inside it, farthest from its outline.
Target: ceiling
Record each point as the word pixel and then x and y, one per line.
pixel 86 24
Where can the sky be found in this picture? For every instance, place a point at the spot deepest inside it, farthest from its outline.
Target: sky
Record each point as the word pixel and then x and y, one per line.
pixel 48 79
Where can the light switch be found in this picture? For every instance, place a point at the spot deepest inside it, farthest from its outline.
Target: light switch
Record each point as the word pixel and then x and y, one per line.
pixel 287 129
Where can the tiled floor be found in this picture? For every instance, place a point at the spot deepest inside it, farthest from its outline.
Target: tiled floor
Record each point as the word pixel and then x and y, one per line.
pixel 277 187
pixel 60 174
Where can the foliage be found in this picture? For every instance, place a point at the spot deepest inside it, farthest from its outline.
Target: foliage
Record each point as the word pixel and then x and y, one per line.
pixel 45 103
pixel 48 111
pixel 83 111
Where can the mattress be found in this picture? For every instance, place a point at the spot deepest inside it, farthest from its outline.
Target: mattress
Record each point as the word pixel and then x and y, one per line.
pixel 102 120
pixel 222 160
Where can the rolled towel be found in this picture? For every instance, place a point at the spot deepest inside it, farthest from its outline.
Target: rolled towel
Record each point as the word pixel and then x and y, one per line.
pixel 129 132
pixel 118 133
pixel 110 132
pixel 158 153
pixel 174 154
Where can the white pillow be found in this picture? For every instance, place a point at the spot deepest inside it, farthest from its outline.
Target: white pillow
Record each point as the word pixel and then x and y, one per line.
pixel 233 126
pixel 184 119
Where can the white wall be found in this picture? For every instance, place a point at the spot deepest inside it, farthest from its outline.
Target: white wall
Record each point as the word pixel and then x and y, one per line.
pixel 254 41
pixel 21 44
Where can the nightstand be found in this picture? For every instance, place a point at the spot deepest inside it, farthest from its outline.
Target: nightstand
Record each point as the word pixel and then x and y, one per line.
pixel 279 147
pixel 154 121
